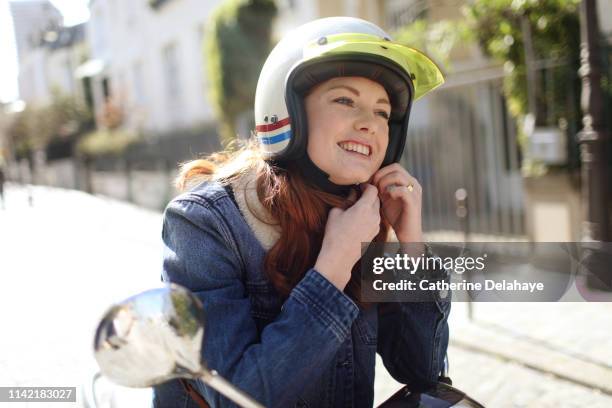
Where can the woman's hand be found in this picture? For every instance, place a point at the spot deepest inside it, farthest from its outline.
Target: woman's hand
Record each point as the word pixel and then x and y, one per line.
pixel 401 198
pixel 344 232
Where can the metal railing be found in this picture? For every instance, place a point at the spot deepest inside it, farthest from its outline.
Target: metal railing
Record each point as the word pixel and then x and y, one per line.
pixel 468 143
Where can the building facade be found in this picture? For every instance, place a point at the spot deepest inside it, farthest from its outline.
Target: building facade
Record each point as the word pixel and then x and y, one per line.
pixel 148 60
pixel 48 52
pixel 31 18
pixel 49 68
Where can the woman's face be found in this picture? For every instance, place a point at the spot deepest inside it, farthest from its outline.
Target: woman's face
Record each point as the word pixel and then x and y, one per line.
pixel 348 128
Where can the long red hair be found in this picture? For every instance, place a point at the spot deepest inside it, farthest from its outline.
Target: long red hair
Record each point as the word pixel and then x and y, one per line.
pixel 298 209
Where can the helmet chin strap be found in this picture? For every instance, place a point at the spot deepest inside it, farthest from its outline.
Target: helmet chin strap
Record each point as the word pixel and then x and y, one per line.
pixel 319 179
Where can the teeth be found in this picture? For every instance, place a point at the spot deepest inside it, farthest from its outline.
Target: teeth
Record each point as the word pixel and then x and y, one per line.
pixel 354 147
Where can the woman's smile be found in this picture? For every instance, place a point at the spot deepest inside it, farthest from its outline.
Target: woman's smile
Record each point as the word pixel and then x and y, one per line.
pixel 355 147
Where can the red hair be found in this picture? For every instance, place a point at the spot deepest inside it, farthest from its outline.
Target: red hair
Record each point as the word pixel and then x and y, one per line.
pixel 299 210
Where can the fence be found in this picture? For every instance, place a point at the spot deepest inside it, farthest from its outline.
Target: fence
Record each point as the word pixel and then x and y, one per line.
pixel 468 141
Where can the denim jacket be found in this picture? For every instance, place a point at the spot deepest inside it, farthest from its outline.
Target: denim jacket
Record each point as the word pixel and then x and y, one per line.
pixel 315 349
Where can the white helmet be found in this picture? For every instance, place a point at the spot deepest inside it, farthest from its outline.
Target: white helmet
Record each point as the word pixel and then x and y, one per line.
pixel 327 48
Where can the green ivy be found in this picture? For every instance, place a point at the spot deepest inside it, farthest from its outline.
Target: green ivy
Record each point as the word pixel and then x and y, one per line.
pixel 436 40
pixel 238 41
pixel 555 33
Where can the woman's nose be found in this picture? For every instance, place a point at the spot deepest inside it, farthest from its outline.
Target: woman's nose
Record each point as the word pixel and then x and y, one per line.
pixel 365 122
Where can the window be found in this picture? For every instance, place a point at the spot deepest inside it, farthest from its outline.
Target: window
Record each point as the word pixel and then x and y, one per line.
pixel 156 4
pixel 106 90
pixel 138 83
pixel 98 24
pixel 199 51
pixel 130 12
pixel 172 81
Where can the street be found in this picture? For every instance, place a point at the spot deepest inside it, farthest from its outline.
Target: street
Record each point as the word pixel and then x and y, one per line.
pixel 65 259
pixel 63 262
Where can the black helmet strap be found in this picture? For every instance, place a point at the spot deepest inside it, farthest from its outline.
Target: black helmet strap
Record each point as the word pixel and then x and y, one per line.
pixel 319 179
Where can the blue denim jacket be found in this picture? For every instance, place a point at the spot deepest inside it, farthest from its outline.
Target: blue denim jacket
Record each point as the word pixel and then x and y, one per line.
pixel 317 349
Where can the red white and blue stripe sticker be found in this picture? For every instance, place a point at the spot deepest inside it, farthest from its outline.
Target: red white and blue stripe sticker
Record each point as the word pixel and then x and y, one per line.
pixel 274 132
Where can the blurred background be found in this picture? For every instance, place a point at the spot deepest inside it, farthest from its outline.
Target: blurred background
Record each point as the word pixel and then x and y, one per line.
pixel 101 100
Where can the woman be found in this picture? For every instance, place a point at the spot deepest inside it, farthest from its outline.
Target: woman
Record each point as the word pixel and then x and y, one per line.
pixel 270 238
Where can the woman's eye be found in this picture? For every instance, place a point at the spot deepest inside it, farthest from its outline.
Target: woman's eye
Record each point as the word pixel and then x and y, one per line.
pixel 344 100
pixel 383 114
pixel 349 102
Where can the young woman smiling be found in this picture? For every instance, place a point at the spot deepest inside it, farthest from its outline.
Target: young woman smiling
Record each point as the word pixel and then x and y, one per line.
pixel 269 237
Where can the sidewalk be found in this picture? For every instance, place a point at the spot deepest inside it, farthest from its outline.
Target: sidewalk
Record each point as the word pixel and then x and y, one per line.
pixel 567 345
pixel 528 355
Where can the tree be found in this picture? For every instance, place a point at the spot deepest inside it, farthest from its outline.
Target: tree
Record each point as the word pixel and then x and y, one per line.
pixel 36 127
pixel 437 39
pixel 237 44
pixel 504 28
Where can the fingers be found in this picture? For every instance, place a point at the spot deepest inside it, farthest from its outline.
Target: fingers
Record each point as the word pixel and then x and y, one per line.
pixel 397 180
pixel 395 167
pixel 369 192
pixel 361 221
pixel 369 197
pixel 402 192
pixel 393 179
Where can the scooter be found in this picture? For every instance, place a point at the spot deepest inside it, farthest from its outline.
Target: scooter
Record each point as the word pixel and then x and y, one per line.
pixel 156 336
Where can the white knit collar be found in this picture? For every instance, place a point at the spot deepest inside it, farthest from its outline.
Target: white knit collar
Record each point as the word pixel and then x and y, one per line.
pixel 260 221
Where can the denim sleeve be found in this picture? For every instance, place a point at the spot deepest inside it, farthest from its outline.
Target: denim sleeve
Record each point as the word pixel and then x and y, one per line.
pixel 413 336
pixel 275 365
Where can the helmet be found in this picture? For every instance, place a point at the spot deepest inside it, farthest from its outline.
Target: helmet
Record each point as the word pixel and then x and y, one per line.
pixel 327 48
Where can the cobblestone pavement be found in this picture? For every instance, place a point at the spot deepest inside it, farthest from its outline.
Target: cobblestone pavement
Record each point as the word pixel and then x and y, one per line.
pixel 517 355
pixel 583 330
pixel 69 256
pixel 498 383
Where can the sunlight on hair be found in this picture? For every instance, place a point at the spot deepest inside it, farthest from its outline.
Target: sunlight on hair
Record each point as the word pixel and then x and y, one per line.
pixel 239 158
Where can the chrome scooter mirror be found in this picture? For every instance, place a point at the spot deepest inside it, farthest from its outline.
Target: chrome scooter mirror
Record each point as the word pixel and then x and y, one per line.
pixel 156 336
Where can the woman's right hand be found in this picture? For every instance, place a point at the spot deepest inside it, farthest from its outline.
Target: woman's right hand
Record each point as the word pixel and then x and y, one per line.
pixel 344 232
